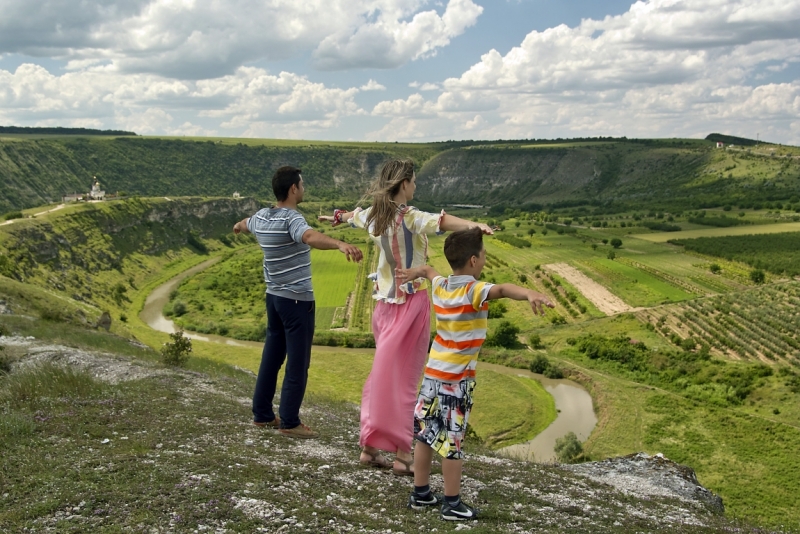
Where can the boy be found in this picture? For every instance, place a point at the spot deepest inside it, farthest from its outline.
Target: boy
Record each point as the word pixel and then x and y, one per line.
pixel 445 398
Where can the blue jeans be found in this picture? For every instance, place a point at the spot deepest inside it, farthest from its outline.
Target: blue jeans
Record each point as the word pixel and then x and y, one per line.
pixel 290 331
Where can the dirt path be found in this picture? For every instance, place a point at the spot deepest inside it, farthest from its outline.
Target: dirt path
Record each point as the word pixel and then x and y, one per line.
pixel 35 214
pixel 598 295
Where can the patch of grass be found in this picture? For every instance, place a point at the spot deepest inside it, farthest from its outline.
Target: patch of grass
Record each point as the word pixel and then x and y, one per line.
pixel 45 384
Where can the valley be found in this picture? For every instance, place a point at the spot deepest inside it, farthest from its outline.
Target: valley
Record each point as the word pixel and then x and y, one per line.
pixel 688 348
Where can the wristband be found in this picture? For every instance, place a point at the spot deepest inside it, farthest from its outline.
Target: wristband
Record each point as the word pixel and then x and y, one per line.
pixel 337 216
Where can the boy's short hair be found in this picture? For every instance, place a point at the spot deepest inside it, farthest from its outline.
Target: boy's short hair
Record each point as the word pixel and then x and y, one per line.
pixel 460 246
pixel 284 179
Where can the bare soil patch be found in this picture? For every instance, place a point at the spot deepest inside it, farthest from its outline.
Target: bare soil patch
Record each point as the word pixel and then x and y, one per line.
pixel 602 298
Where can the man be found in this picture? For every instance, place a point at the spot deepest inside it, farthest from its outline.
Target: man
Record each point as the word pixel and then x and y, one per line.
pixel 286 240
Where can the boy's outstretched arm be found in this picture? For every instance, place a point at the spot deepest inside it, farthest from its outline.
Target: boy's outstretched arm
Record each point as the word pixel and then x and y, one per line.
pixel 423 271
pixel 511 291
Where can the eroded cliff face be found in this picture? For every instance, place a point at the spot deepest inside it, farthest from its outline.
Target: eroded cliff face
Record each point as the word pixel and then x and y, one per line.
pixel 71 249
pixel 546 175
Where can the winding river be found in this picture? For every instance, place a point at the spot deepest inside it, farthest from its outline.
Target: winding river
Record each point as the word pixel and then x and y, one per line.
pixel 573 403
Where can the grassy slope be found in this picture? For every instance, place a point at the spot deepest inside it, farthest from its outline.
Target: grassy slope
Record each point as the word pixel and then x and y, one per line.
pixel 174 451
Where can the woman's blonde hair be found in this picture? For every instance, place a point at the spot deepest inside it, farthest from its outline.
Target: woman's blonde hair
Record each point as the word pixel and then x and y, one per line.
pixel 384 210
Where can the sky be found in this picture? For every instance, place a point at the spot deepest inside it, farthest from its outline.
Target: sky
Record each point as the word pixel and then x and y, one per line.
pixel 405 70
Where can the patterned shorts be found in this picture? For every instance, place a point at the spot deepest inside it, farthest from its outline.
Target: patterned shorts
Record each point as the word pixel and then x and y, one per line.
pixel 441 414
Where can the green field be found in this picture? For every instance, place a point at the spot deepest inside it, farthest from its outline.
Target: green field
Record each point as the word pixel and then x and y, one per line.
pixel 228 298
pixel 776 228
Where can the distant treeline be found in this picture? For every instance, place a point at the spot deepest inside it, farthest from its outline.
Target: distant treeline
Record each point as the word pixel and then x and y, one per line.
pixel 776 253
pixel 719 222
pixel 58 130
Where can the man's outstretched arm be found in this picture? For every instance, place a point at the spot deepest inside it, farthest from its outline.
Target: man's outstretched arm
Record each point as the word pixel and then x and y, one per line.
pixel 320 241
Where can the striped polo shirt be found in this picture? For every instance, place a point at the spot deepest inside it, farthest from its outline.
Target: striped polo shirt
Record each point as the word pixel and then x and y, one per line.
pixel 287 260
pixel 462 315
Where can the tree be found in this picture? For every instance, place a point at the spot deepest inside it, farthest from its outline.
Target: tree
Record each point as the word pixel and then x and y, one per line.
pixel 611 255
pixel 714 268
pixel 616 242
pixel 523 278
pixel 539 364
pixel 505 335
pixel 757 276
pixel 568 449
pixel 535 341
pixel 176 352
pixel 531 231
pixel 497 309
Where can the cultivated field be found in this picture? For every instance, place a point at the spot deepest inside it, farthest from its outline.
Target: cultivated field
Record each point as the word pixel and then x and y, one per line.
pixel 663 237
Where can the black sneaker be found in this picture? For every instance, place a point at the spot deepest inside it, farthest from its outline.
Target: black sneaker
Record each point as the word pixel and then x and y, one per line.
pixel 415 502
pixel 462 512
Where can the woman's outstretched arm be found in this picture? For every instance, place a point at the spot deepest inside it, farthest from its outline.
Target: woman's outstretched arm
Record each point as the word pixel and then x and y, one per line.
pixel 451 223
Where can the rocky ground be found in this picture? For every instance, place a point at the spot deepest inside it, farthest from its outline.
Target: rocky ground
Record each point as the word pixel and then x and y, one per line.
pixel 166 450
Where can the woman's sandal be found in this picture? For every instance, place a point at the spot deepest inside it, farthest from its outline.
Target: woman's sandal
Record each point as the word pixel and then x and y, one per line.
pixel 407 472
pixel 376 459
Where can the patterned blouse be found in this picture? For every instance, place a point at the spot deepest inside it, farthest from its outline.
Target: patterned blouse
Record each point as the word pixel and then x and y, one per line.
pixel 405 244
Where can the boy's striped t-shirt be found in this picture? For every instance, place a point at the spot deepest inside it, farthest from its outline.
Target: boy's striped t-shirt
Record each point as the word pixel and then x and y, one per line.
pixel 462 315
pixel 287 260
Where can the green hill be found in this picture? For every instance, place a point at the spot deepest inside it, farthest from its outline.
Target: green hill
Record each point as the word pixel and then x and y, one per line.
pixel 616 174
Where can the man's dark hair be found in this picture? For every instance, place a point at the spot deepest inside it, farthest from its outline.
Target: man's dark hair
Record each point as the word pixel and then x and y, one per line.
pixel 284 179
pixel 460 246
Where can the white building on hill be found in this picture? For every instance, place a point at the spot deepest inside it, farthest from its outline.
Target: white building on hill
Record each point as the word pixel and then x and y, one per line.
pixel 96 193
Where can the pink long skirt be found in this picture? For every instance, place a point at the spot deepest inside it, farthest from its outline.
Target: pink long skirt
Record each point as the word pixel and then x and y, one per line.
pixel 402 334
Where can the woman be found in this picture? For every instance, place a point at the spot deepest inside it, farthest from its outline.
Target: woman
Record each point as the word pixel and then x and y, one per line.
pixel 401 320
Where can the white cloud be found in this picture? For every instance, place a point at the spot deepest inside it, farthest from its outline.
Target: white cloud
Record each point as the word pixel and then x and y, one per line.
pixel 388 41
pixel 475 123
pixel 372 85
pixel 147 103
pixel 199 40
pixel 666 67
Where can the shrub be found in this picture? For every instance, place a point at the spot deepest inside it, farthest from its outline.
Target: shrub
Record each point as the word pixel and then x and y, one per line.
pixel 505 335
pixel 535 341
pixel 194 241
pixel 53 314
pixel 568 448
pixel 523 278
pixel 688 344
pixel 557 319
pixel 554 372
pixel 714 268
pixel 176 352
pixel 757 276
pixel 178 308
pixel 497 309
pixel 611 255
pixel 5 362
pixel 539 364
pixel 13 215
pixel 513 241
